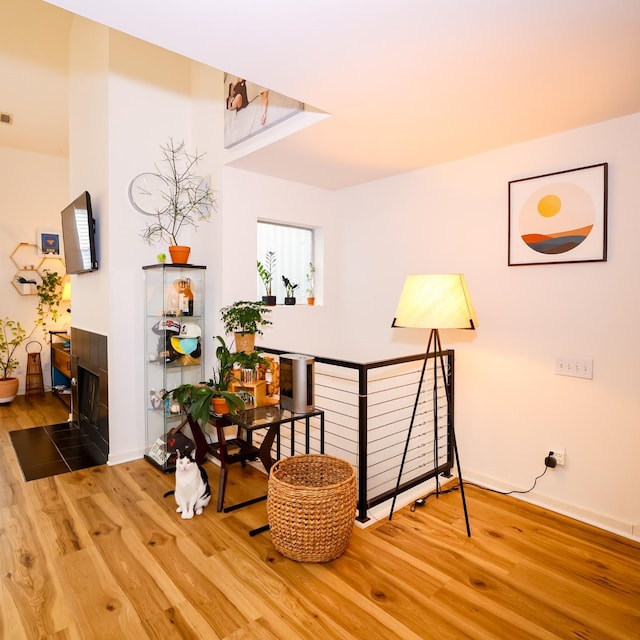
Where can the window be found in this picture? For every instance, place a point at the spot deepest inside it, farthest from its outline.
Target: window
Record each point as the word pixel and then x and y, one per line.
pixel 293 248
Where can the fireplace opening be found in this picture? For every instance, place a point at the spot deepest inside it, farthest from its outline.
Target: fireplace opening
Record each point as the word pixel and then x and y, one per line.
pixel 90 394
pixel 88 387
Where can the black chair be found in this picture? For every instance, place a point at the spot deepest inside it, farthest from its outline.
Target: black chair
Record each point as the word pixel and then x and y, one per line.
pixel 227 450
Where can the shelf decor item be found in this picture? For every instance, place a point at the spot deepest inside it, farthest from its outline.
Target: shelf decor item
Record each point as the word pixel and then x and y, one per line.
pixel 175 197
pixel 559 217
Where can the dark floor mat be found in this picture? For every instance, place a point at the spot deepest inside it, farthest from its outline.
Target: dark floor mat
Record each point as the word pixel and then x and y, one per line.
pixel 53 449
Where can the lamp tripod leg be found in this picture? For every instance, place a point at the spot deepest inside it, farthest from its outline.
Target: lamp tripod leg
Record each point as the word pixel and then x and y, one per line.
pixel 461 483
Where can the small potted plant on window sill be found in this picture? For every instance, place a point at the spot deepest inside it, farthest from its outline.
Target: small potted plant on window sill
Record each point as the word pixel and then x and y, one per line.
pixel 245 319
pixel 290 287
pixel 265 271
pixel 311 285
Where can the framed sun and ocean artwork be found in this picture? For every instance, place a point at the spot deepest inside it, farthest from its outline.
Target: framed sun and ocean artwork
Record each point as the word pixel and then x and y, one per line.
pixel 559 217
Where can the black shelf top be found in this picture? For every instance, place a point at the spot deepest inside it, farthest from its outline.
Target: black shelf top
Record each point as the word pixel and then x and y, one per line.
pixel 177 265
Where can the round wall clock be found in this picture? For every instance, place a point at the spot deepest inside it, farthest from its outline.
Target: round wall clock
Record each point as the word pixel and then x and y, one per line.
pixel 147 194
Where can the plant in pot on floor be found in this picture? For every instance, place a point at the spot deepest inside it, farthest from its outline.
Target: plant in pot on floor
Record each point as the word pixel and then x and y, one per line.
pixel 245 319
pixel 265 271
pixel 12 336
pixel 198 399
pixel 177 196
pixel 290 287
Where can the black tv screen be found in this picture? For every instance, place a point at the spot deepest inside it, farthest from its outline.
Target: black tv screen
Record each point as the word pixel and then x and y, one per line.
pixel 79 235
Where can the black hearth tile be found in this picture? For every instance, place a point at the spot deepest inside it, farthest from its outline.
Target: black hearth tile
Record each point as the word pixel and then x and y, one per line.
pixel 95 453
pixel 37 448
pixel 83 461
pixel 60 427
pixel 66 441
pixel 44 470
pixel 27 439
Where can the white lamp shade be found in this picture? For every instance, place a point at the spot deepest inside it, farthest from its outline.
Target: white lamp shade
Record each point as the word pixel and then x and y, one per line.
pixel 435 301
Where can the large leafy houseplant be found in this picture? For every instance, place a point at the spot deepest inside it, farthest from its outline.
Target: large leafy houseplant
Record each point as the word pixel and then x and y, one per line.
pixel 196 399
pixel 245 319
pixel 184 198
pixel 245 316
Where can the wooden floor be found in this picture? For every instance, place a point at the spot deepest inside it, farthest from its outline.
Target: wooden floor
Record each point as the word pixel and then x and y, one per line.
pixel 99 553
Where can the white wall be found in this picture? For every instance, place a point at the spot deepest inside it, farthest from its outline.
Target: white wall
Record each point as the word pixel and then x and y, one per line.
pixel 128 97
pixel 33 190
pixel 511 408
pixel 131 97
pixel 249 196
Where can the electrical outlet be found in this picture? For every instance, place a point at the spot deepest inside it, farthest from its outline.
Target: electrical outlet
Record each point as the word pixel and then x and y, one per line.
pixel 576 367
pixel 559 455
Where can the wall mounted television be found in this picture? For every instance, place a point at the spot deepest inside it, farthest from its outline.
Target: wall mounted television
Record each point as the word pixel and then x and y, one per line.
pixel 79 235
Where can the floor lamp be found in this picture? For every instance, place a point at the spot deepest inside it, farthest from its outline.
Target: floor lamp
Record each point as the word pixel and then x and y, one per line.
pixel 435 301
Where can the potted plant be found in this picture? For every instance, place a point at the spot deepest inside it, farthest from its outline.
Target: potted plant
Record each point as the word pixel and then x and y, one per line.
pixel 182 199
pixel 290 287
pixel 198 399
pixel 49 293
pixel 265 271
pixel 245 319
pixel 252 360
pixel 311 285
pixel 12 335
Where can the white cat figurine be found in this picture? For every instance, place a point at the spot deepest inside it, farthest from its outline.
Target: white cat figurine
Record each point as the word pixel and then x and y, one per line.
pixel 192 491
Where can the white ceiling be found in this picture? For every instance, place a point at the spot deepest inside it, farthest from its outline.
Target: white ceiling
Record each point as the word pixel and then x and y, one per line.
pixel 408 83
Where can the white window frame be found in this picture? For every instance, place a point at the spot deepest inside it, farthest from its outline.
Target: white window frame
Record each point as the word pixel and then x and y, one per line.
pixel 290 261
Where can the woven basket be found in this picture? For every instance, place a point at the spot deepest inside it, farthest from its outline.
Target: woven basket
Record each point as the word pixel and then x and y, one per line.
pixel 311 506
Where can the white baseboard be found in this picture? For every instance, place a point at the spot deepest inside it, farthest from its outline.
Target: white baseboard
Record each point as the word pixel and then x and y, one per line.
pixel 613 525
pixel 127 456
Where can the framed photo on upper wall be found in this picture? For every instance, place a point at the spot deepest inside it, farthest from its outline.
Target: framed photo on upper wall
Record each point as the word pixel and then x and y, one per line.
pixel 559 217
pixel 48 243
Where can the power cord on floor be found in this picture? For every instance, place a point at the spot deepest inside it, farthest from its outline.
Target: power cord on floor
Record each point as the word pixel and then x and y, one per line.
pixel 420 502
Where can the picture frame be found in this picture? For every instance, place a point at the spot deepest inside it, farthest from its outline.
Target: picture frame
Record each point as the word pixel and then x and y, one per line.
pixel 251 109
pixel 48 243
pixel 559 217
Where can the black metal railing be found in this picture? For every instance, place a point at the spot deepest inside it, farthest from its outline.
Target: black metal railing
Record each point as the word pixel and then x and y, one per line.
pixel 368 407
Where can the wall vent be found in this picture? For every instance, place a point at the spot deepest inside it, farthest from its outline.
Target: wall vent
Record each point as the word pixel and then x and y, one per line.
pixel 6 118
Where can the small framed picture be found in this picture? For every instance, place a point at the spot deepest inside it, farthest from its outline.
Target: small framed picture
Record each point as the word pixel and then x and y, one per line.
pixel 559 217
pixel 48 243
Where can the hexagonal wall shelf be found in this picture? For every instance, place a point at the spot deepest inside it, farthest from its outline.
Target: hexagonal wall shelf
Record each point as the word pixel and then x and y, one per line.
pixel 52 264
pixel 25 256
